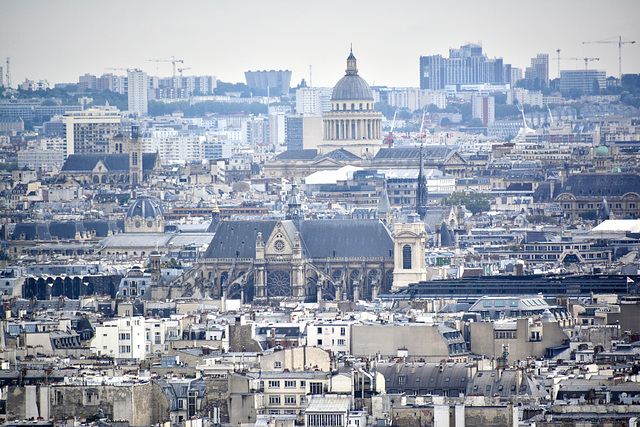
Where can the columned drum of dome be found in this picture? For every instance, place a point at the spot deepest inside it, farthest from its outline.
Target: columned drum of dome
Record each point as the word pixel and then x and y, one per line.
pixel 352 123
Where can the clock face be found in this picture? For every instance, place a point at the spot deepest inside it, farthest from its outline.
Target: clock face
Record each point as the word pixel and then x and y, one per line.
pixel 138 224
pixel 279 245
pixel 149 224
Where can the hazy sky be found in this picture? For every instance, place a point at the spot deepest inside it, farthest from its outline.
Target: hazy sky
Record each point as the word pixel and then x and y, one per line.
pixel 59 40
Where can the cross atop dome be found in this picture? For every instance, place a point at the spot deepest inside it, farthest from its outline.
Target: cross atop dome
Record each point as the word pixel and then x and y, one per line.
pixel 351 63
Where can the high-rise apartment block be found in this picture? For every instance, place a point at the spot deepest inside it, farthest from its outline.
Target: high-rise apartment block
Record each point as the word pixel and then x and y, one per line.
pixel 415 99
pixel 90 131
pixel 138 92
pixel 539 70
pixel 313 101
pixel 483 108
pixel 467 65
pixel 276 81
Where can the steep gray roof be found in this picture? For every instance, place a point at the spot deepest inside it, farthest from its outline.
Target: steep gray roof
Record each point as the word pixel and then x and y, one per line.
pixel 429 152
pixel 113 162
pixel 424 378
pixel 308 154
pixel 348 238
pixel 31 230
pixel 237 239
pixel 601 185
pixel 319 238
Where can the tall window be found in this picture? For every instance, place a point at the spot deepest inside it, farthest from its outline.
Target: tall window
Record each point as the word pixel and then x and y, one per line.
pixel 406 257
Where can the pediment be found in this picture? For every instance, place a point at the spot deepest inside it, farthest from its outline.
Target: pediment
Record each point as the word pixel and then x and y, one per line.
pixel 100 167
pixel 327 163
pixel 279 244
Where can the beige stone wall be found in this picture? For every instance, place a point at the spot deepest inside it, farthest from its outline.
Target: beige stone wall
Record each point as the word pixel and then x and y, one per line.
pixel 140 404
pixel 421 340
pixel 484 342
pixel 298 359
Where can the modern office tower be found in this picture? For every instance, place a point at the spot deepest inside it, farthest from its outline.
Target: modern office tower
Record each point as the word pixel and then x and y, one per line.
pixel 467 65
pixel 277 81
pixel 539 70
pixel 1 77
pixel 90 131
pixel 582 79
pixel 483 108
pixel 313 101
pixel 138 83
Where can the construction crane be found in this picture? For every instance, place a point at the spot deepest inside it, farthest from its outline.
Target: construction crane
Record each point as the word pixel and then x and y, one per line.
pixel 574 58
pixel 180 70
pixel 620 42
pixel 173 60
pixel 389 137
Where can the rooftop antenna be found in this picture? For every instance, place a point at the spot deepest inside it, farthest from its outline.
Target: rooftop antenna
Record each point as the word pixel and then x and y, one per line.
pixel 310 75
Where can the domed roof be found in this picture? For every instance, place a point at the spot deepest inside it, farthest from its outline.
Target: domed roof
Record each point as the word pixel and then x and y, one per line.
pixel 145 207
pixel 351 87
pixel 602 150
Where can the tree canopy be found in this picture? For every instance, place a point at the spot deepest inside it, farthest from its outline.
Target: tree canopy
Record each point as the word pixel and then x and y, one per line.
pixel 474 202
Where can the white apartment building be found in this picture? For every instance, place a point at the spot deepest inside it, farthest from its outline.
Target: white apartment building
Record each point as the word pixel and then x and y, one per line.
pixel 483 108
pixel 91 130
pixel 278 131
pixel 255 133
pixel 313 101
pixel 415 99
pixel 174 146
pixel 524 96
pixel 158 333
pixel 332 336
pixel 122 338
pixel 138 92
pixel 41 160
pixel 52 143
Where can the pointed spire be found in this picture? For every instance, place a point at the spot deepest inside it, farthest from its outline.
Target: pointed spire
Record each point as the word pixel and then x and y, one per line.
pixel 385 206
pixel 421 191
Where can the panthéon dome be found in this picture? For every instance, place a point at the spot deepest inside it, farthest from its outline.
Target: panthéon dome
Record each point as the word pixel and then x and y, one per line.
pixel 351 86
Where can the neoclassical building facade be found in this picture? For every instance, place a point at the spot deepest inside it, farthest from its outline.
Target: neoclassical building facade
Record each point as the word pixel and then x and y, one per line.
pixel 352 123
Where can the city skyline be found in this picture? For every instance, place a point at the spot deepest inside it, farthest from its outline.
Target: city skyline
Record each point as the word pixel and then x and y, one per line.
pixel 60 41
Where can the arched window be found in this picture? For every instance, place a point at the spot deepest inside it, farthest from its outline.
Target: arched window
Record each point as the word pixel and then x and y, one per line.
pixel 344 106
pixel 353 106
pixel 361 105
pixel 406 257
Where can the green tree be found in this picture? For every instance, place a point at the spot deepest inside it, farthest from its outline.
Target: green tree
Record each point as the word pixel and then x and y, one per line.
pixel 474 202
pixel 11 166
pixel 476 123
pixel 595 89
pixel 386 109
